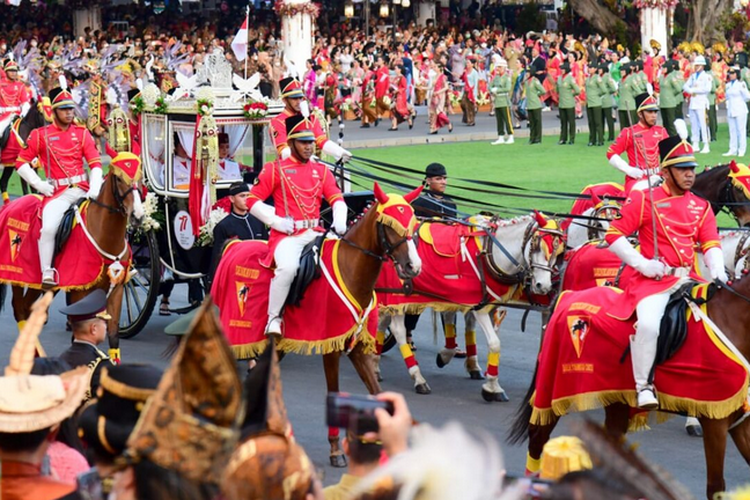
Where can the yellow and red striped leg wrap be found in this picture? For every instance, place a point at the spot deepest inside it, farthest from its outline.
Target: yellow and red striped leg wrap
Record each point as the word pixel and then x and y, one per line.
pixel 471 343
pixel 493 361
pixel 333 432
pixel 450 336
pixel 379 341
pixel 408 356
pixel 114 355
pixel 6 198
pixel 533 465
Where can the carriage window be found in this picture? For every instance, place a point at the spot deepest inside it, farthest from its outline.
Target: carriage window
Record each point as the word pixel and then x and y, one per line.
pixel 182 148
pixel 154 153
pixel 232 143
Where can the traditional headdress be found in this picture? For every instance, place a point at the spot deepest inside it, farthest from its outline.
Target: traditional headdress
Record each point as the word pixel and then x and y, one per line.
pixel 190 425
pixel 268 463
pixel 698 47
pixel 31 403
pixel 562 455
pixel 655 45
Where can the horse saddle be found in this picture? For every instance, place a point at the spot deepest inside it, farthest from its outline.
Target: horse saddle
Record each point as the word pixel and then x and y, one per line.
pixel 673 329
pixel 308 271
pixel 66 225
pixel 5 135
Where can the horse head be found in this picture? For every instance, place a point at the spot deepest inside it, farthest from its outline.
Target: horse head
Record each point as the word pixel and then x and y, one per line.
pixel 545 245
pixel 396 223
pixel 125 174
pixel 604 211
pixel 738 192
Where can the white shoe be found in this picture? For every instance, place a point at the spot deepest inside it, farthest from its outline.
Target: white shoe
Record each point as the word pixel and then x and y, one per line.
pixel 741 154
pixel 546 108
pixel 696 146
pixel 647 399
pixel 499 140
pixel 509 140
pixel 49 277
pixel 729 153
pixel 274 326
pixel 705 149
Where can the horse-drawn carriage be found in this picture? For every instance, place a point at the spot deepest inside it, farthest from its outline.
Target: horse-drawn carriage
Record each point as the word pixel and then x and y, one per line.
pixel 168 246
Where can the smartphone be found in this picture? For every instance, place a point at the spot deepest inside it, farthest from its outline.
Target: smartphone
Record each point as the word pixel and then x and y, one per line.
pixel 90 485
pixel 345 410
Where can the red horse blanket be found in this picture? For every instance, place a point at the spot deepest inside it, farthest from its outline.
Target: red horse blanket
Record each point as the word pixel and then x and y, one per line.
pixel 79 265
pixel 589 266
pixel 449 280
pixel 580 368
pixel 324 321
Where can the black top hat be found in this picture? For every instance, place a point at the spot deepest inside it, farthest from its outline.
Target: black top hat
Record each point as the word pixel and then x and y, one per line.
pixel 298 127
pixel 676 152
pixel 435 170
pixel 106 424
pixel 646 102
pixel 93 305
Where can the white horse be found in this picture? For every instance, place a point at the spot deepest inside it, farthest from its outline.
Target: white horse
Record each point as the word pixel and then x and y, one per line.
pixel 525 251
pixel 581 231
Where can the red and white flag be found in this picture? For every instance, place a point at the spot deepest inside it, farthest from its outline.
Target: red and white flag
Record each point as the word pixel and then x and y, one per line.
pixel 239 44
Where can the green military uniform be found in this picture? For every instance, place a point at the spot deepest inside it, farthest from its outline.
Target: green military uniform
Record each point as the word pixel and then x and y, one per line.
pixel 608 101
pixel 567 90
pixel 500 88
pixel 626 99
pixel 670 94
pixel 679 96
pixel 534 90
pixel 595 88
pixel 712 123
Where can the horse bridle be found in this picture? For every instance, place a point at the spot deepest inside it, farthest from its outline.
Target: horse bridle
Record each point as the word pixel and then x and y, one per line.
pixel 119 198
pixel 533 239
pixel 384 243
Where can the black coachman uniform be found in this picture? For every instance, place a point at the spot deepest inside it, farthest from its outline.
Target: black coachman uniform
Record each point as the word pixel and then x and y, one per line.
pixel 241 227
pixel 432 204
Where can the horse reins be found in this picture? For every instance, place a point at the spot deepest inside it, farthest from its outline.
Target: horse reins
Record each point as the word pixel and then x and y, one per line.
pixel 119 198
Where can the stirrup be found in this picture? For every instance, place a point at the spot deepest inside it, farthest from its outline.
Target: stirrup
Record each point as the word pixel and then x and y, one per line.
pixel 647 399
pixel 50 277
pixel 274 328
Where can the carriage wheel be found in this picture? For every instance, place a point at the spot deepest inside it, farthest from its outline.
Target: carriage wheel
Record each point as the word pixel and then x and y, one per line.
pixel 141 292
pixel 389 342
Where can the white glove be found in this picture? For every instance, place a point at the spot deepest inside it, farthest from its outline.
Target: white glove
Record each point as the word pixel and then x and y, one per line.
pixel 630 256
pixel 95 183
pixel 27 173
pixel 714 259
pixel 340 212
pixel 622 166
pixel 333 149
pixel 286 153
pixel 267 215
pixel 25 109
pixel 304 108
pixel 656 180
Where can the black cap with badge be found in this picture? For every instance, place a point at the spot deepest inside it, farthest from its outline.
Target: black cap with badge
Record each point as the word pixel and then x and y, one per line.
pixel 93 305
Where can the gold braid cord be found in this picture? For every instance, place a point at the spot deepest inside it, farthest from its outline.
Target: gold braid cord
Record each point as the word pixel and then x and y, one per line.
pixel 118 131
pixel 207 153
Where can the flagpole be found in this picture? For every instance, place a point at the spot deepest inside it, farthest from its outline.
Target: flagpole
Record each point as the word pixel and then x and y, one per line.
pixel 247 35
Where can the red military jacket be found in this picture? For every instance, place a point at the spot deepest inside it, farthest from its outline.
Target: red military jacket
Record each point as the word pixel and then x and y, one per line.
pixel 642 145
pixel 683 224
pixel 278 131
pixel 12 95
pixel 305 184
pixel 61 152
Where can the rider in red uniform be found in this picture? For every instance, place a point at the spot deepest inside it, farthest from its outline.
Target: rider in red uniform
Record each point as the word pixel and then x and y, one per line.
pixel 641 142
pixel 60 148
pixel 684 222
pixel 14 96
pixel 296 105
pixel 298 184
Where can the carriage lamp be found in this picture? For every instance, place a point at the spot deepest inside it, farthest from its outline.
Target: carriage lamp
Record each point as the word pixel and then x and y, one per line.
pixel 384 10
pixel 405 4
pixel 349 10
pixel 396 2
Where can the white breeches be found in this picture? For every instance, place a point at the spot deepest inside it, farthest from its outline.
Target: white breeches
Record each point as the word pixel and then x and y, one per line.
pixel 698 126
pixel 51 217
pixel 286 255
pixel 737 134
pixel 649 312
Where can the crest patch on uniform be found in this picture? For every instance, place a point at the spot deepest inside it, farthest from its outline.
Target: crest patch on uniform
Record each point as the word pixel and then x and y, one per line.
pixel 243 291
pixel 15 244
pixel 579 327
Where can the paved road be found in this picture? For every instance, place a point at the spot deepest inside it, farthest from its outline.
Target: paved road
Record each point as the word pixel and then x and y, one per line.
pixel 454 396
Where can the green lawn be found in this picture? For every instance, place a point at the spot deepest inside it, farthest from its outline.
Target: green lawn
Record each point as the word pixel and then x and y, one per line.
pixel 546 167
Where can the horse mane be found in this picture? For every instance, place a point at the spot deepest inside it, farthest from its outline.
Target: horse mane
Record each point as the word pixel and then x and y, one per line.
pixel 515 220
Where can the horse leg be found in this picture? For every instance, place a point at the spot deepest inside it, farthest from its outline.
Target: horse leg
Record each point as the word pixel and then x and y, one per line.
pixel 472 361
pixel 491 389
pixel 4 181
pixel 538 437
pixel 331 367
pixel 114 309
pixel 22 310
pixel 384 320
pixel 617 420
pixel 741 437
pixel 446 353
pixel 398 328
pixel 364 364
pixel 715 446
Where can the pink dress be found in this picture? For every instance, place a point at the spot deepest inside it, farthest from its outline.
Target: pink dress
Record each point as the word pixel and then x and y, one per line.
pixel 66 463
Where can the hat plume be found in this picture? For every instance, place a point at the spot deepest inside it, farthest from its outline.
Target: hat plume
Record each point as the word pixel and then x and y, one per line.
pixel 681 127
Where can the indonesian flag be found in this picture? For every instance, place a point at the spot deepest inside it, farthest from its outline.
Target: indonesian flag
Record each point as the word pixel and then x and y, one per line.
pixel 239 44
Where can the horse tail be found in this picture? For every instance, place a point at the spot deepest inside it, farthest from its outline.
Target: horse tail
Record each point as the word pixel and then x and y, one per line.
pixel 3 293
pixel 519 430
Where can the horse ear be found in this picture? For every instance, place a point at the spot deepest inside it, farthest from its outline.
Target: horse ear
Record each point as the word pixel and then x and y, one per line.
pixel 595 199
pixel 409 197
pixel 540 219
pixel 733 166
pixel 380 196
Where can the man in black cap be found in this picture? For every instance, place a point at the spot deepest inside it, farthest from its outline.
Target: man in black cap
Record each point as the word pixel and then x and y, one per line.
pixel 238 224
pixel 88 318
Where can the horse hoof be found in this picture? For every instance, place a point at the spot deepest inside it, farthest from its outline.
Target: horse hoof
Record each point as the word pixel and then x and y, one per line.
pixel 488 396
pixel 422 388
pixel 380 377
pixel 439 361
pixel 501 397
pixel 338 461
pixel 491 397
pixel 476 375
pixel 695 431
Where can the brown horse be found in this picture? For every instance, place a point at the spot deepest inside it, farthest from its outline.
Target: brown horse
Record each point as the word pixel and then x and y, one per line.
pixel 729 309
pixel 107 218
pixel 715 186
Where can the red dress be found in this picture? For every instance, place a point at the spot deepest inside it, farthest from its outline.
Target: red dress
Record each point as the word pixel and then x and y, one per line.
pixel 402 106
